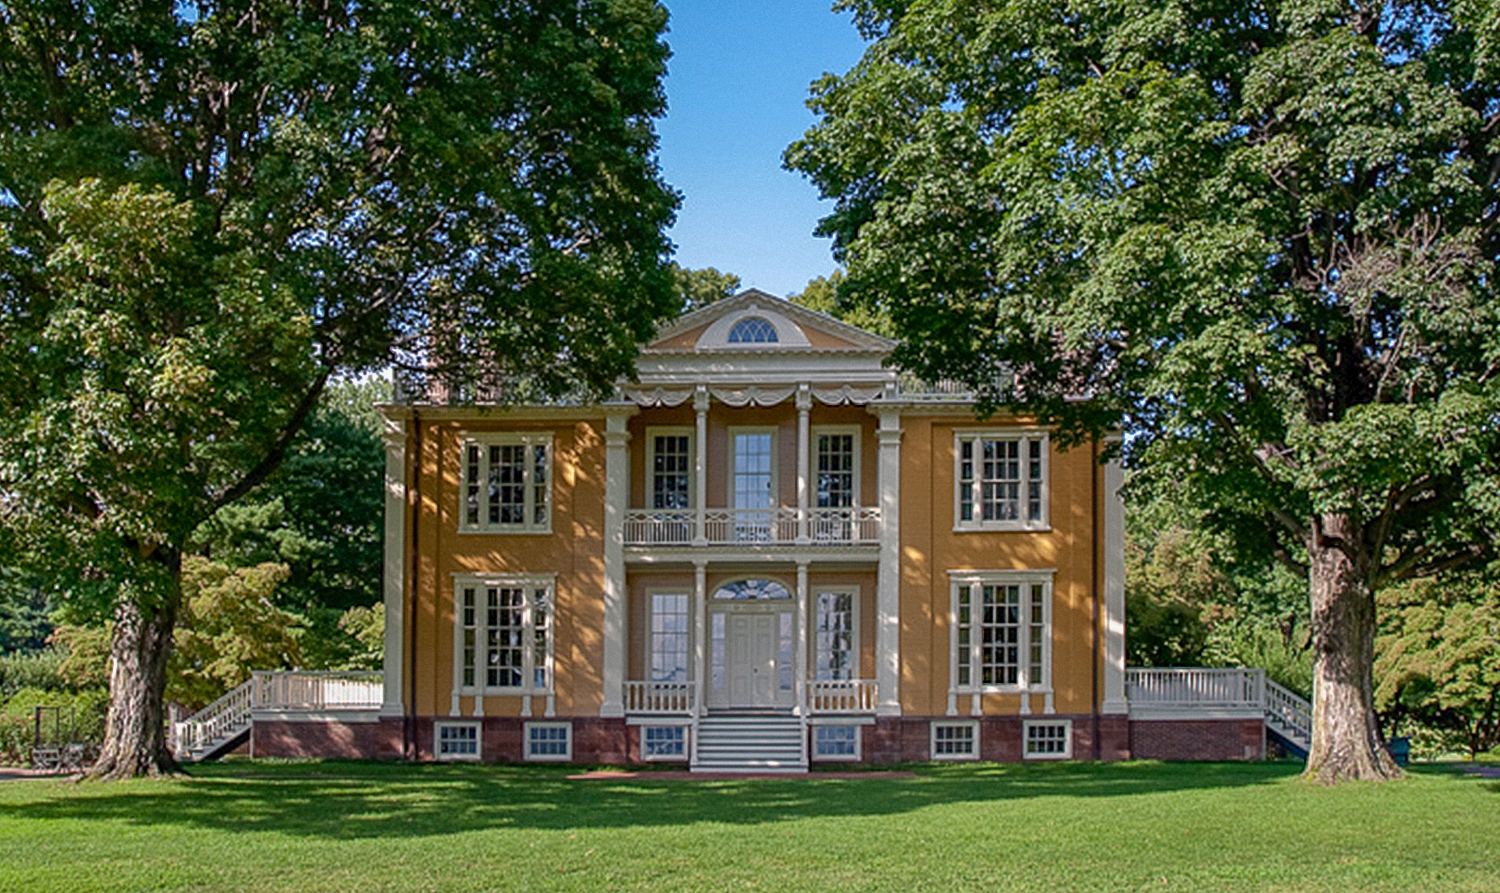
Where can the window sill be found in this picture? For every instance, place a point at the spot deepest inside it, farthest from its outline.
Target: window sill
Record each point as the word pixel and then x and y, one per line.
pixel 506 531
pixel 1002 527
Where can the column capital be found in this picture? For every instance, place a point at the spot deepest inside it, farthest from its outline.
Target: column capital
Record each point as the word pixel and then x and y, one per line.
pixel 804 397
pixel 701 399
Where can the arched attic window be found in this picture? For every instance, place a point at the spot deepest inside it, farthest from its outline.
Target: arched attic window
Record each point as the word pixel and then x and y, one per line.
pixel 753 330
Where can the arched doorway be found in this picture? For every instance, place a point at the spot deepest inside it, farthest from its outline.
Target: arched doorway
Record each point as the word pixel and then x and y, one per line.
pixel 751 636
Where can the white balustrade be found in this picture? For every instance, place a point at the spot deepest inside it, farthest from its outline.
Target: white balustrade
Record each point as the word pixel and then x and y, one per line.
pixel 1289 713
pixel 841 696
pixel 1229 687
pixel 660 698
pixel 852 526
pixel 318 690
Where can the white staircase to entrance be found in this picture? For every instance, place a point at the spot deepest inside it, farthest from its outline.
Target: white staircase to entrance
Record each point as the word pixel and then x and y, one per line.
pixel 750 742
pixel 1289 716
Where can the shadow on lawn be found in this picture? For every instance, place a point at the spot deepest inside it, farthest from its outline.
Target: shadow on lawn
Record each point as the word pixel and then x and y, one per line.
pixel 351 801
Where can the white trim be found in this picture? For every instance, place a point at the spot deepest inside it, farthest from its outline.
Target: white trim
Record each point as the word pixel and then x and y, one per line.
pixel 616 499
pixel 888 576
pixel 856 432
pixel 932 736
pixel 655 431
pixel 566 756
pixel 527 583
pixel 687 750
pixel 651 594
pixel 1025 436
pixel 352 717
pixel 974 581
pixel 1114 701
pixel 1029 724
pixel 716 336
pixel 437 739
pixel 771 432
pixel 853 591
pixel 394 568
pixel 816 757
pixel 527 527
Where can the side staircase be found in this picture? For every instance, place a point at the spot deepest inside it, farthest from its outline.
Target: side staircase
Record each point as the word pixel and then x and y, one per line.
pixel 217 727
pixel 750 742
pixel 223 724
pixel 1288 719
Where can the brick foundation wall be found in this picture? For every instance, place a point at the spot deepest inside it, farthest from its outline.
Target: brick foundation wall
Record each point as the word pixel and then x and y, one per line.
pixel 1183 739
pixel 907 739
pixel 332 739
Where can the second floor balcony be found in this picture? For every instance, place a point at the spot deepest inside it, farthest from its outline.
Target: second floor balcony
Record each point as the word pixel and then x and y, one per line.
pixel 821 527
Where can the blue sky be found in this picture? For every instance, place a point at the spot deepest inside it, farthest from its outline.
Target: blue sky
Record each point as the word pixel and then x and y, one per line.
pixel 737 86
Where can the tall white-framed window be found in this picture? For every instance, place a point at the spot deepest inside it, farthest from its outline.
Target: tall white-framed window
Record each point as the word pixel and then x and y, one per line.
pixel 836 466
pixel 1000 480
pixel 503 635
pixel 752 482
pixel 669 468
pixel 507 484
pixel 835 634
pixel 669 625
pixel 1001 631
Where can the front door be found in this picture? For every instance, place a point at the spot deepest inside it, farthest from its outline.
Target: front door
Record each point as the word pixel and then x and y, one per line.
pixel 750 659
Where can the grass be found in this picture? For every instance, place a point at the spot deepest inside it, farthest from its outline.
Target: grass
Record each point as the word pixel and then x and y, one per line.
pixel 311 827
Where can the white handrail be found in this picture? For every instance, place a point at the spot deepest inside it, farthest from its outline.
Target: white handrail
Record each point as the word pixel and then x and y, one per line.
pixel 852 526
pixel 1227 687
pixel 660 698
pixel 1289 713
pixel 317 690
pixel 845 696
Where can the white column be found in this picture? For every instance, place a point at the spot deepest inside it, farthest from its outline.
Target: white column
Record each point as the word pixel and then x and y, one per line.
pixel 804 407
pixel 701 402
pixel 700 635
pixel 799 658
pixel 888 588
pixel 394 566
pixel 616 501
pixel 1114 589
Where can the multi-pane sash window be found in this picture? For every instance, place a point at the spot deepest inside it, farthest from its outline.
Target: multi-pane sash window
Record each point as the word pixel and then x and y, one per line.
pixel 753 481
pixel 669 638
pixel 833 636
pixel 1002 481
pixel 505 635
pixel 671 471
pixel 1000 633
pixel 507 483
pixel 835 470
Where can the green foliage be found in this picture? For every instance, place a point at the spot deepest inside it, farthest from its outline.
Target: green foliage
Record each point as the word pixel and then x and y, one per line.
pixel 230 626
pixel 81 718
pixel 36 670
pixel 822 294
pixel 366 626
pixel 208 211
pixel 1261 237
pixel 1438 661
pixel 24 605
pixel 699 288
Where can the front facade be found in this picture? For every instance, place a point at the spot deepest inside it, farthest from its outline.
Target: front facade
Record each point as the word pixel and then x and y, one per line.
pixel 768 551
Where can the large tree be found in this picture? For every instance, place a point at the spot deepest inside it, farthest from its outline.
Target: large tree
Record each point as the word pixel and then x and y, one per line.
pixel 1260 237
pixel 208 209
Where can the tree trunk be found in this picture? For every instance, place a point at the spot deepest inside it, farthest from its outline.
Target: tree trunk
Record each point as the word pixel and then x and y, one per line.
pixel 135 738
pixel 1346 741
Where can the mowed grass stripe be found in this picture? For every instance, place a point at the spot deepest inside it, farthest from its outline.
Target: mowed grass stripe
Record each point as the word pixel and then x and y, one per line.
pixel 1138 826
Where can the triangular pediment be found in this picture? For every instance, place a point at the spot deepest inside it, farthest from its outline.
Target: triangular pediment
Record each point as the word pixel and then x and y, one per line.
pixel 756 322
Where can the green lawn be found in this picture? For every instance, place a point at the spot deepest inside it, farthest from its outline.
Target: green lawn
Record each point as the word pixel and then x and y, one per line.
pixel 1138 826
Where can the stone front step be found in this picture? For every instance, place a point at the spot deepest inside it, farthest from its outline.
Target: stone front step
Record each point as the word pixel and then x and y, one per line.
pixel 750 743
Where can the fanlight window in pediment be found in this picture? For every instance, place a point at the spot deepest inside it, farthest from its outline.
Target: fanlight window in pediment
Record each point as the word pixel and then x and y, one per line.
pixel 752 590
pixel 753 330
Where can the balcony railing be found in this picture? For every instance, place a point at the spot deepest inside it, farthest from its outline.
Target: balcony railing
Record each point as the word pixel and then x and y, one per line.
pixel 660 698
pixel 841 696
pixel 784 526
pixel 317 690
pixel 1227 688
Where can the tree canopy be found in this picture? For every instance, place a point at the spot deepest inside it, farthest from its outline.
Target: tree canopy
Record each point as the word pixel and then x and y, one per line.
pixel 208 209
pixel 1259 237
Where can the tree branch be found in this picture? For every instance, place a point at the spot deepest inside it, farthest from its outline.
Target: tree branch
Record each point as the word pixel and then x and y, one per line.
pixel 279 448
